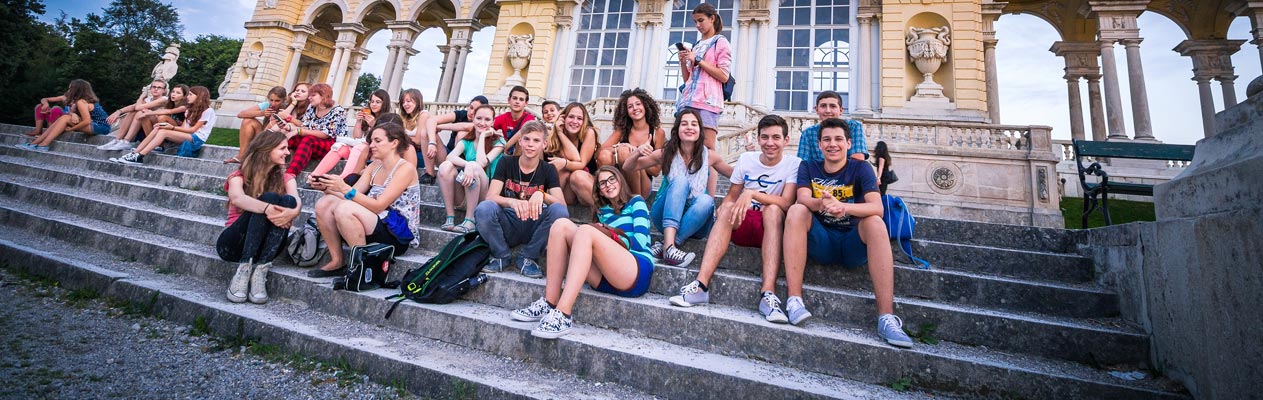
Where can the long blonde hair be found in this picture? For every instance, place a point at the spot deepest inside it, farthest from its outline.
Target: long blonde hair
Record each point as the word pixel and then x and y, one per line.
pixel 553 146
pixel 410 120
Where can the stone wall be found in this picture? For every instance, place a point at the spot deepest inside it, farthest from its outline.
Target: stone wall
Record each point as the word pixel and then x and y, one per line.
pixel 1194 278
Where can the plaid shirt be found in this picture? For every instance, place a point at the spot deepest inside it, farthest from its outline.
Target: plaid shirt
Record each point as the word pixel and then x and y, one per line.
pixel 809 142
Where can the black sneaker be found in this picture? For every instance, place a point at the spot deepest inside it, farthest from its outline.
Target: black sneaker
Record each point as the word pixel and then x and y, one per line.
pixel 426 179
pixel 131 158
pixel 675 257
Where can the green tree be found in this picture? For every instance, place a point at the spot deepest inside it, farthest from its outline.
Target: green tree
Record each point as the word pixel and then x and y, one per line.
pixel 204 60
pixel 32 65
pixel 365 87
pixel 117 49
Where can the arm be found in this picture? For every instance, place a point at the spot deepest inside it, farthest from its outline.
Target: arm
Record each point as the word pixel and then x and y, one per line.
pixel 284 217
pixel 190 126
pixel 432 127
pixel 804 198
pixel 456 127
pixel 171 111
pixel 403 178
pixel 424 136
pixel 659 140
pixel 237 196
pixel 251 112
pixel 881 165
pixel 719 70
pixel 870 207
pixel 85 119
pixel 457 155
pixel 686 64
pixel 717 162
pixel 638 161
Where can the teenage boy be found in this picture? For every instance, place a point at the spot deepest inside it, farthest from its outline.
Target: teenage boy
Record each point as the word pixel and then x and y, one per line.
pixel 523 200
pixel 511 122
pixel 837 221
pixel 829 105
pixel 752 215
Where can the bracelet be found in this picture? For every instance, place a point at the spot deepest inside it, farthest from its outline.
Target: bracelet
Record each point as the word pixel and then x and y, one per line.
pixel 349 194
pixel 432 143
pixel 265 208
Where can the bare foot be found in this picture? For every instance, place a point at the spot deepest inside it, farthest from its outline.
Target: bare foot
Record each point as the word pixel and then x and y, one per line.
pixel 34 132
pixel 234 160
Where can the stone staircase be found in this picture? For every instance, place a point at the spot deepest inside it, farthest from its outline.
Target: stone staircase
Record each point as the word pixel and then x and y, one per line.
pixel 1014 311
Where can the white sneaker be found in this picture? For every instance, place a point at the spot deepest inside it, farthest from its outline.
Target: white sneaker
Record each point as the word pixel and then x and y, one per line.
pixel 108 145
pixel 121 145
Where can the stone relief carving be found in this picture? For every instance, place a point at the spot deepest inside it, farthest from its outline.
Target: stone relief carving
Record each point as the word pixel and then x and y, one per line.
pixel 166 69
pixel 250 68
pixel 269 4
pixel 943 178
pixel 519 53
pixel 928 49
pixel 1042 178
pixel 227 83
pixel 1052 10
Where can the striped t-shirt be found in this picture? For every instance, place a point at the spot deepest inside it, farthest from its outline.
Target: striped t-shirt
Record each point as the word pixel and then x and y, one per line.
pixel 634 220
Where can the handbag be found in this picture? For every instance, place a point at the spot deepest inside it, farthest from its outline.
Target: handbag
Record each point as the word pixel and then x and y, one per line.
pixel 889 177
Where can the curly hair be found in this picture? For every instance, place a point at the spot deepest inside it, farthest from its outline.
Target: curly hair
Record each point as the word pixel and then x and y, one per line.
pixel 623 122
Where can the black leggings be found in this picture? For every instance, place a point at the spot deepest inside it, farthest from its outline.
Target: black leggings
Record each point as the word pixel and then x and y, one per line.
pixel 252 237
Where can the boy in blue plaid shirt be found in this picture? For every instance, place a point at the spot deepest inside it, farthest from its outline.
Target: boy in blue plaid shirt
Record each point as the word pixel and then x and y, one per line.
pixel 829 105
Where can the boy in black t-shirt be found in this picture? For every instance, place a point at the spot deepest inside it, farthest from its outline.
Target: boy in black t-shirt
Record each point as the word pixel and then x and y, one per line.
pixel 837 221
pixel 523 200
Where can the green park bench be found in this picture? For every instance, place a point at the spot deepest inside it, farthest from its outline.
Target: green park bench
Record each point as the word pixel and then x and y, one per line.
pixel 1098 192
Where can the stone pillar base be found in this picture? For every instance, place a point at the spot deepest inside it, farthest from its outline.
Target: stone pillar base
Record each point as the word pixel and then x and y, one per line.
pixel 230 105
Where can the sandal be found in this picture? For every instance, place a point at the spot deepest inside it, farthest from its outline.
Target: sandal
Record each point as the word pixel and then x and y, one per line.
pixel 465 227
pixel 449 223
pixel 233 160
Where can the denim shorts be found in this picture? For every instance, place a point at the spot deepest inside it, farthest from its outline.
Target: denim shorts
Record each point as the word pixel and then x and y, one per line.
pixel 639 288
pixel 833 246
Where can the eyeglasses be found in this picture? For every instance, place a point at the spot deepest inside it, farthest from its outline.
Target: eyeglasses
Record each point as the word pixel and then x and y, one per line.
pixel 157 87
pixel 609 181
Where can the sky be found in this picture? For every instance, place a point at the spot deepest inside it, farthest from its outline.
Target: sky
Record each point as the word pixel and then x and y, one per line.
pixel 1032 91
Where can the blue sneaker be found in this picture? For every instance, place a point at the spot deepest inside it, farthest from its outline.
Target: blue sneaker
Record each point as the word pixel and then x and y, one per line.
pixel 39 148
pixel 770 307
pixel 495 265
pixel 796 310
pixel 530 268
pixel 890 328
pixel 691 295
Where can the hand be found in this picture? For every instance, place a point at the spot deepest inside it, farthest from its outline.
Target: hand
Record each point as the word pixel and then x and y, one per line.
pixel 465 179
pixel 686 56
pixel 431 150
pixel 74 119
pixel 315 183
pixel 739 209
pixel 334 183
pixel 143 113
pixel 368 118
pixel 112 118
pixel 751 142
pixel 832 206
pixel 43 103
pixel 277 215
pixel 559 163
pixel 644 150
pixel 268 113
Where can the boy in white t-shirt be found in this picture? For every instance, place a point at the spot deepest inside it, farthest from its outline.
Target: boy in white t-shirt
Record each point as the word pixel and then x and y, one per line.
pixel 752 215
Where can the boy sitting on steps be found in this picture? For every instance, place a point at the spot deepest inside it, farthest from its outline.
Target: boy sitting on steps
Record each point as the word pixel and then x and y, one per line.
pixel 752 215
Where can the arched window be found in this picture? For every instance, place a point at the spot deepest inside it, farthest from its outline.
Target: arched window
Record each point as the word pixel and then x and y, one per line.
pixel 683 31
pixel 601 46
pixel 812 51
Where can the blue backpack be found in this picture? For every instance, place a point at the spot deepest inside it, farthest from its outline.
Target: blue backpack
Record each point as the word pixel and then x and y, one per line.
pixel 900 224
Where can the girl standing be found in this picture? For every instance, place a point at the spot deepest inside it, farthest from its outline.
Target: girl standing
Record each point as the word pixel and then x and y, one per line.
pixel 881 160
pixel 262 204
pixel 704 69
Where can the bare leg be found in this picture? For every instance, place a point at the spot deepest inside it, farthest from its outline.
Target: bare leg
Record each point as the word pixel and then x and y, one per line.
pixel 613 263
pixel 559 238
pixel 563 179
pixel 134 127
pixel 716 243
pixel 881 262
pixel 581 187
pixel 797 223
pixel 327 223
pixel 773 222
pixel 56 129
pixel 354 222
pixel 447 185
pixel 249 128
pixel 126 124
pixel 477 193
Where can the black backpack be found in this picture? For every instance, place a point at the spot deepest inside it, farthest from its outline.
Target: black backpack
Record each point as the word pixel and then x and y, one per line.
pixel 366 267
pixel 452 272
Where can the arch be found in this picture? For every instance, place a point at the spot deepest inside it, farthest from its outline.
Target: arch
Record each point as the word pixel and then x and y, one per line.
pixel 1041 16
pixel 1170 16
pixel 421 5
pixel 367 6
pixel 477 7
pixel 317 6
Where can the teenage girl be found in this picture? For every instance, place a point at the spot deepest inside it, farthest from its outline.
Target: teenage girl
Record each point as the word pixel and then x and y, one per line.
pixel 570 149
pixel 463 178
pixel 250 124
pixel 85 115
pixel 636 122
pixel 262 203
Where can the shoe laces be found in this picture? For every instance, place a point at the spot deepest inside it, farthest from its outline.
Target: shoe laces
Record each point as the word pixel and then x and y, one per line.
pixel 554 321
pixel 539 307
pixel 692 287
pixel 890 322
pixel 772 301
pixel 675 254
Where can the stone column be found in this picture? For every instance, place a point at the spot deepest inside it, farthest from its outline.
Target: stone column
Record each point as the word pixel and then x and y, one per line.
pixel 1208 105
pixel 396 72
pixel 1076 107
pixel 864 102
pixel 562 58
pixel 356 66
pixel 1113 98
pixel 348 37
pixel 1253 10
pixel 296 56
pixel 744 56
pixel 389 72
pixel 993 84
pixel 449 69
pixel 1230 92
pixel 1139 96
pixel 333 64
pixel 463 53
pixel 637 52
pixel 1095 108
pixel 761 92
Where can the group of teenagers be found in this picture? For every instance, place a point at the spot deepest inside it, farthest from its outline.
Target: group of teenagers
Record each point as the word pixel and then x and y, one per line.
pixel 514 175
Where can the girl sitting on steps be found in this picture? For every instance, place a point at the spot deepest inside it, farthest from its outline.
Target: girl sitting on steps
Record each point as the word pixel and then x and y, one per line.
pixel 262 204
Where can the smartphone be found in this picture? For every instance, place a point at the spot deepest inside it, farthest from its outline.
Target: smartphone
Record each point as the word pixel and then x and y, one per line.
pixel 277 118
pixel 680 46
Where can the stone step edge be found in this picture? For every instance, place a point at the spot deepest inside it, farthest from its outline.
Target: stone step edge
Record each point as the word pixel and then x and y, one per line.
pixel 383 364
pixel 747 373
pixel 296 276
pixel 1075 286
pixel 1071 322
pixel 142 237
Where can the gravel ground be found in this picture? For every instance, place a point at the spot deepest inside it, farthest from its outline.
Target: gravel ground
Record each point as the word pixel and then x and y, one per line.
pixel 70 344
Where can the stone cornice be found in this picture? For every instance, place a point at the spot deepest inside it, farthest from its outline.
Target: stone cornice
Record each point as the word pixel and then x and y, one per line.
pixel 270 24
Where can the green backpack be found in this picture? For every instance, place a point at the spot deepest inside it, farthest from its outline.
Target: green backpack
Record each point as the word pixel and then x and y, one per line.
pixel 452 272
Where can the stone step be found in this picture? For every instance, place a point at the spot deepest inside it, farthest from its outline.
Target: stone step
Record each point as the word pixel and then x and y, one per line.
pixel 591 353
pixel 933 284
pixel 1028 238
pixel 1076 340
pixel 1053 268
pixel 957 369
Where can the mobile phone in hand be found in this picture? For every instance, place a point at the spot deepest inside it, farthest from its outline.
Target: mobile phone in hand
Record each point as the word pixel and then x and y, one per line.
pixel 679 46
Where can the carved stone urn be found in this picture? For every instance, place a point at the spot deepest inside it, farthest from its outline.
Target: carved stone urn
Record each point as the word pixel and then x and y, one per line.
pixel 928 48
pixel 519 53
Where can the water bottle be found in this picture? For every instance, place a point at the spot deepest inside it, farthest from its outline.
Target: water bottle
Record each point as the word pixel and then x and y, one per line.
pixel 477 280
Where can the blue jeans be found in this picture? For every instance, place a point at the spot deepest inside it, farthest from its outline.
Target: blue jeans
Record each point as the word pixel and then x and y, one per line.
pixel 673 208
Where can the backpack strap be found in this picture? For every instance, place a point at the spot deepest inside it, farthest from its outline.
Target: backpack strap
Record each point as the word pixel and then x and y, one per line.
pixel 392 306
pixel 906 246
